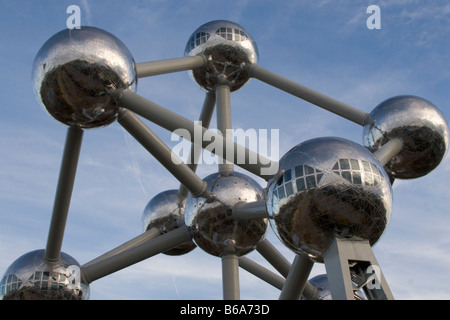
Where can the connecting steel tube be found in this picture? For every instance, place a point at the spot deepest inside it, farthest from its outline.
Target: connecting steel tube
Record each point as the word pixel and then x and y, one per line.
pixel 224 121
pixel 388 151
pixel 264 168
pixel 63 194
pixel 135 254
pixel 297 278
pixel 162 153
pixel 153 68
pixel 149 234
pixel 307 94
pixel 195 153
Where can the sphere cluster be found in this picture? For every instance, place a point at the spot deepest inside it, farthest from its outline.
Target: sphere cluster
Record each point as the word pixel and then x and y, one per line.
pixel 325 188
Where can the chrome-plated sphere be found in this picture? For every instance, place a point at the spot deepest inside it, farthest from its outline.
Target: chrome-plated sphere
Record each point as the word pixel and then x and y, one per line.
pixel 421 127
pixel 323 289
pixel 75 71
pixel 211 222
pixel 328 188
pixel 165 212
pixel 31 277
pixel 229 50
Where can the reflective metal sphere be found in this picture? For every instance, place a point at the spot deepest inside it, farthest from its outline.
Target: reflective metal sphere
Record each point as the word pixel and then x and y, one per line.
pixel 228 48
pixel 74 72
pixel 212 224
pixel 422 129
pixel 327 188
pixel 166 213
pixel 30 277
pixel 324 292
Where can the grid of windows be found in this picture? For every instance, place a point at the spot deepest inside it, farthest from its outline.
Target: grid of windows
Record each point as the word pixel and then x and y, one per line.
pixel 358 172
pixel 304 177
pixel 298 179
pixel 233 34
pixel 196 40
pixel 9 283
pixel 43 281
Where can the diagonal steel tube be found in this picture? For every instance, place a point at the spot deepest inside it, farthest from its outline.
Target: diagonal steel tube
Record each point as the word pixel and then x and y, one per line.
pixel 135 254
pixel 310 95
pixel 261 272
pixel 149 234
pixel 281 264
pixel 63 194
pixel 264 168
pixel 153 68
pixel 388 151
pixel 297 278
pixel 195 153
pixel 162 153
pixel 274 257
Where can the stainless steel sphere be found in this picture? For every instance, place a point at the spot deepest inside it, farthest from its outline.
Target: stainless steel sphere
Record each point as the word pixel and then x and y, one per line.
pixel 75 71
pixel 323 289
pixel 212 224
pixel 31 277
pixel 165 212
pixel 421 127
pixel 327 188
pixel 228 48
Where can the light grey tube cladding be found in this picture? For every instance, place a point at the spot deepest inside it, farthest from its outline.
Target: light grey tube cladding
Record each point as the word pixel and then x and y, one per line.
pixel 63 194
pixel 310 95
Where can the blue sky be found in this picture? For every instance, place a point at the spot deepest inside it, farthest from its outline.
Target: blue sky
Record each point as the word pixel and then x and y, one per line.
pixel 324 45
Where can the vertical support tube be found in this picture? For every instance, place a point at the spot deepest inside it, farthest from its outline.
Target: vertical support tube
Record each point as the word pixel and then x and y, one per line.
pixel 224 124
pixel 230 273
pixel 297 278
pixel 63 194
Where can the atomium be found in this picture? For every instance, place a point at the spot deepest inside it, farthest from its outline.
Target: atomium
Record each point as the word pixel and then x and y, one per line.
pixel 325 190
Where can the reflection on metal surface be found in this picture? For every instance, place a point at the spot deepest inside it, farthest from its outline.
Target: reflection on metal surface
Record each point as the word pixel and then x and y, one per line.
pixel 166 213
pixel 422 129
pixel 324 292
pixel 212 224
pixel 228 48
pixel 74 71
pixel 30 277
pixel 327 188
